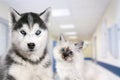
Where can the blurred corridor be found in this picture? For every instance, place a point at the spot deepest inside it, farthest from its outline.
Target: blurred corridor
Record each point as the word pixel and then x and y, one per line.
pixel 96 22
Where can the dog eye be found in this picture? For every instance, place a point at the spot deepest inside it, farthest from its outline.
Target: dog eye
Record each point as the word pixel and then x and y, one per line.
pixel 23 32
pixel 38 32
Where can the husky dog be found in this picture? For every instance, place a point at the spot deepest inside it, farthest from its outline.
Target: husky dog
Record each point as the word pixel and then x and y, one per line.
pixel 27 58
pixel 70 62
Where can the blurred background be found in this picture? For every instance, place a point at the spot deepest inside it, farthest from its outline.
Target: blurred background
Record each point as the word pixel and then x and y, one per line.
pixel 97 22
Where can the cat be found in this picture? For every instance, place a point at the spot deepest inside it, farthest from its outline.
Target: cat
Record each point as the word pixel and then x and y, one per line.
pixel 69 60
pixel 70 63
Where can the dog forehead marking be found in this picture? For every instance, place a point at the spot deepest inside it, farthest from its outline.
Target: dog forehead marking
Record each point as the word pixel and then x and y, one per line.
pixel 32 27
pixel 30 20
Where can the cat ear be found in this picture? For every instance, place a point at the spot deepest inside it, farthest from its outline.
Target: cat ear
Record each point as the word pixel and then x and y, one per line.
pixel 79 45
pixel 61 38
pixel 45 15
pixel 14 16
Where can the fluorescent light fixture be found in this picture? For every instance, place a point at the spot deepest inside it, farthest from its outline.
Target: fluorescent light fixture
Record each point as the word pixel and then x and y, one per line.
pixel 67 26
pixel 60 12
pixel 72 37
pixel 70 33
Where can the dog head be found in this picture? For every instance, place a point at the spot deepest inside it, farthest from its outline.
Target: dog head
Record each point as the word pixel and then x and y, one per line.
pixel 66 51
pixel 29 31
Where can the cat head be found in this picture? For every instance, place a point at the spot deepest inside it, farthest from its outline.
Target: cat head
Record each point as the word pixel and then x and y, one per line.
pixel 66 51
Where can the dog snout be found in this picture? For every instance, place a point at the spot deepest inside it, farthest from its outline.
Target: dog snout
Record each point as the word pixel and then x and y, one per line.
pixel 31 45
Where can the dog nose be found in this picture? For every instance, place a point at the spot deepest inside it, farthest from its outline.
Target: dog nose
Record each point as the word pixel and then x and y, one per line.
pixel 31 45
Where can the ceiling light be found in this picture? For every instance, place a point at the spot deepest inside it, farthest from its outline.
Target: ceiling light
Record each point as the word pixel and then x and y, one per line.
pixel 72 37
pixel 68 26
pixel 60 12
pixel 70 33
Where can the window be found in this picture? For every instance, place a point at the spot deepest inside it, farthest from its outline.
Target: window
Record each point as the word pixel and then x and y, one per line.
pixel 113 33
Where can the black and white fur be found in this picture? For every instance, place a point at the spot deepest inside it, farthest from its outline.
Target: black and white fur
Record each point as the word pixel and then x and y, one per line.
pixel 70 62
pixel 27 58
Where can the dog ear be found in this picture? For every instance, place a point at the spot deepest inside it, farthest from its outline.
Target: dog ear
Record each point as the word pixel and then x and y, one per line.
pixel 79 45
pixel 45 15
pixel 61 38
pixel 14 16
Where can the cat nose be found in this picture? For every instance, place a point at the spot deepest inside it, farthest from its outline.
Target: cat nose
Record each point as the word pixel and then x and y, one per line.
pixel 68 53
pixel 31 45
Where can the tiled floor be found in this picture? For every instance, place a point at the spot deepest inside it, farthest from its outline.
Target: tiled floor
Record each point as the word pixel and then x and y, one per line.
pixel 110 75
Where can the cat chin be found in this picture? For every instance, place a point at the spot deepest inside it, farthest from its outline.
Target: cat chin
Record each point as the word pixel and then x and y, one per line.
pixel 68 59
pixel 61 60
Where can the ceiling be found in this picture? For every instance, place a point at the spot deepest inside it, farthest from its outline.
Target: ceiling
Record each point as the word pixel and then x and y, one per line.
pixel 83 14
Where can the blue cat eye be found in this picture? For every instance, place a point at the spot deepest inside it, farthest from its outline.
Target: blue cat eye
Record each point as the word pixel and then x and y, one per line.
pixel 38 32
pixel 62 49
pixel 23 32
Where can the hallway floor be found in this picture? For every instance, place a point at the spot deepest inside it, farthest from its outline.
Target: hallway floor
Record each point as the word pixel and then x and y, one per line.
pixel 110 74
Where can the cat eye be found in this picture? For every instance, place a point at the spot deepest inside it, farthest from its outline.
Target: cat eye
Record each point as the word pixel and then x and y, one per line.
pixel 38 32
pixel 62 49
pixel 23 32
pixel 70 52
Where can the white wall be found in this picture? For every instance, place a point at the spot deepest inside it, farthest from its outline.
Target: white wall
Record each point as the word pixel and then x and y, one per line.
pixel 4 10
pixel 109 19
pixel 3 38
pixel 3 28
